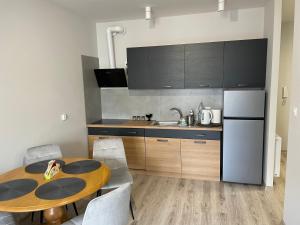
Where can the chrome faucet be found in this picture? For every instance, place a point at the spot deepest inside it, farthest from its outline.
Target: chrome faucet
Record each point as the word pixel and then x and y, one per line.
pixel 177 110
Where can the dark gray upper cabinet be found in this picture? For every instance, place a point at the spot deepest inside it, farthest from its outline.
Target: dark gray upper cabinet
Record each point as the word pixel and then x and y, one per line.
pixel 158 67
pixel 166 66
pixel 232 64
pixel 138 71
pixel 204 65
pixel 245 63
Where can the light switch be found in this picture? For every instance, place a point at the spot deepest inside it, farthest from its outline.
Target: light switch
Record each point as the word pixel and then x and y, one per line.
pixel 63 117
pixel 295 110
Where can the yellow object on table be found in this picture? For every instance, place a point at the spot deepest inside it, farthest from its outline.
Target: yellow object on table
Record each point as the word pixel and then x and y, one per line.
pixel 52 170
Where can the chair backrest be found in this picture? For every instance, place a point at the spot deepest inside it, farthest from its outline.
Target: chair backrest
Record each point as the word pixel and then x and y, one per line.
pixel 111 151
pixel 7 219
pixel 109 209
pixel 43 152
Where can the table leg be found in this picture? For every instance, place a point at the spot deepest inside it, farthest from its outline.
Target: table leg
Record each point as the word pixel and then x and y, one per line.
pixel 54 216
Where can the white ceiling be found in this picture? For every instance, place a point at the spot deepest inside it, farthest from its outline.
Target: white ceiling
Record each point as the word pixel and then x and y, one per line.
pixel 112 10
pixel 288 7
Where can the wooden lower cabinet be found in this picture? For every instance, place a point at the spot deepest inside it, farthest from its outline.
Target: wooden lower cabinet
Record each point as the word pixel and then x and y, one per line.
pixel 134 149
pixel 135 152
pixel 186 158
pixel 200 159
pixel 163 155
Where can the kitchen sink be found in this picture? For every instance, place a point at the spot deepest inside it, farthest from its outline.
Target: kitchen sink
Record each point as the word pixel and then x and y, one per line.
pixel 166 123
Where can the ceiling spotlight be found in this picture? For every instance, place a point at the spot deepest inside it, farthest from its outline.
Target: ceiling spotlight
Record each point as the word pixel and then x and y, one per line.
pixel 221 5
pixel 148 13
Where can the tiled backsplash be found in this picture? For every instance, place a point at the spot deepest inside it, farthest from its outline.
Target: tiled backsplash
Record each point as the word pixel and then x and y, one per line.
pixel 121 103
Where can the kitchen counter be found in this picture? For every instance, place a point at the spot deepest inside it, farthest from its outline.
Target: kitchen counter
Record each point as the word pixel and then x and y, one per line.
pixel 121 123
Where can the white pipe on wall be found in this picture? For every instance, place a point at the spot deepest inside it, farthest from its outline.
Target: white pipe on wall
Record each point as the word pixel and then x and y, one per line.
pixel 111 32
pixel 221 5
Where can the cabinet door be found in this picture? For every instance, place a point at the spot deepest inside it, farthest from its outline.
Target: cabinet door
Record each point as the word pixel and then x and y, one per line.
pixel 163 155
pixel 135 152
pixel 245 63
pixel 138 71
pixel 166 67
pixel 200 159
pixel 134 149
pixel 204 65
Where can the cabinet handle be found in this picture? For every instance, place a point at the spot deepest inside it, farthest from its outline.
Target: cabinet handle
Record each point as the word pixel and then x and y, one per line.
pixel 201 135
pixel 204 85
pixel 200 142
pixel 132 132
pixel 167 86
pixel 162 140
pixel 242 85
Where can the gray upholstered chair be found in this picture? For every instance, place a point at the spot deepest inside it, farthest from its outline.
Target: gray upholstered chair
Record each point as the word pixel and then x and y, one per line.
pixel 111 152
pixel 109 209
pixel 7 219
pixel 41 153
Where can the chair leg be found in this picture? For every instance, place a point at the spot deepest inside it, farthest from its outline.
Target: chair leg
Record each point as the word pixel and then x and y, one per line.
pixel 131 209
pixel 32 217
pixel 75 208
pixel 99 193
pixel 41 217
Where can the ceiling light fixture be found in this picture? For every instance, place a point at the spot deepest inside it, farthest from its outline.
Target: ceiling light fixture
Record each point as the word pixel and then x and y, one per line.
pixel 221 5
pixel 148 13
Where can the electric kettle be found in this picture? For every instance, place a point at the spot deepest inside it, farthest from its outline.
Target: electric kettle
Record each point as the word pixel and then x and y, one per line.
pixel 206 116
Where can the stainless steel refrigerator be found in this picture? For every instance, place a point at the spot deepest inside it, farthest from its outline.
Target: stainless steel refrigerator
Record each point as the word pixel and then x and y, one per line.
pixel 243 136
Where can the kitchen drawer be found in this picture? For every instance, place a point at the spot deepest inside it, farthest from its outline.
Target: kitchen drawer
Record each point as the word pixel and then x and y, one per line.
pixel 184 134
pixel 116 131
pixel 163 155
pixel 131 132
pixel 201 134
pixel 200 159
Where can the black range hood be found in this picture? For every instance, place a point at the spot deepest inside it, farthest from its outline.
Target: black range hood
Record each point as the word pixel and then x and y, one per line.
pixel 111 77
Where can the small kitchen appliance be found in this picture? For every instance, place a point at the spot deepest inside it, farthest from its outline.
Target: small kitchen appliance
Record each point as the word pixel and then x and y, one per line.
pixel 206 116
pixel 216 116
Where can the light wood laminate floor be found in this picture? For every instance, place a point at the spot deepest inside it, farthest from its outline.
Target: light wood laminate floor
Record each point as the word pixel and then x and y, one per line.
pixel 174 201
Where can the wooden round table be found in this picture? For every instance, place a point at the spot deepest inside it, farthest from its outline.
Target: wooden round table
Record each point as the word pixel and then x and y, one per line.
pixel 53 209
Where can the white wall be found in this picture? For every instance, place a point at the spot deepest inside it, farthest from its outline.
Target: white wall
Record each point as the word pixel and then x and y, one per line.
pixel 285 75
pixel 204 27
pixel 41 77
pixel 292 193
pixel 272 32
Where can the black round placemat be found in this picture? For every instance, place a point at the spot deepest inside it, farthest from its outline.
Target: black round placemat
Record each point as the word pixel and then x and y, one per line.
pixel 41 167
pixel 16 188
pixel 61 188
pixel 83 166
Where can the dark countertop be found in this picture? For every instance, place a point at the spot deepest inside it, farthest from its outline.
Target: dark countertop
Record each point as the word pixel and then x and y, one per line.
pixel 110 121
pixel 123 123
